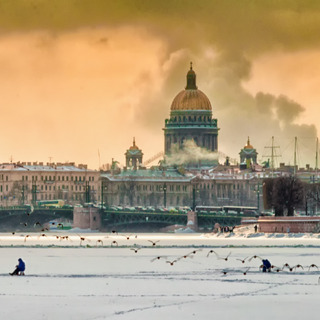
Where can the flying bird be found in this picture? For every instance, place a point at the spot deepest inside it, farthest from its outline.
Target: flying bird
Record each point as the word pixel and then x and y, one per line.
pixel 83 239
pixel 38 224
pixel 158 258
pixel 298 266
pixel 25 238
pixel 218 256
pixel 114 231
pixel 135 249
pixel 99 241
pixel 245 273
pixel 243 260
pixel 171 262
pixel 313 266
pixel 114 243
pixel 255 257
pixel 154 242
pixel 127 237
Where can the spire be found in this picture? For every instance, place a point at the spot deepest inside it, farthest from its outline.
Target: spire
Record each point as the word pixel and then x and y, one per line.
pixel 134 141
pixel 191 79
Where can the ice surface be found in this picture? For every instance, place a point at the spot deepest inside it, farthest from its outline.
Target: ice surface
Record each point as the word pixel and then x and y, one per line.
pixel 74 278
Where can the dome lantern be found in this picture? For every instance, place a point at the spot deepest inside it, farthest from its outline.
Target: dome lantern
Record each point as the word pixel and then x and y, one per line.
pixel 191 79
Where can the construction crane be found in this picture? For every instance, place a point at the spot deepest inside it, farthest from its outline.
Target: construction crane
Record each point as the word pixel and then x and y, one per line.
pixel 155 157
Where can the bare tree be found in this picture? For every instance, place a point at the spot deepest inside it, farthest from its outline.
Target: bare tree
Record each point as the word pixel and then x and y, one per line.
pixel 284 194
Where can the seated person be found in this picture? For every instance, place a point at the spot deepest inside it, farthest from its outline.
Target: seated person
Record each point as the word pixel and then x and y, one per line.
pixel 19 268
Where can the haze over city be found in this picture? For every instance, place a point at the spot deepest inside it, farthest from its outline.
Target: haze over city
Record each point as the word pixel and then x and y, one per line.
pixel 80 79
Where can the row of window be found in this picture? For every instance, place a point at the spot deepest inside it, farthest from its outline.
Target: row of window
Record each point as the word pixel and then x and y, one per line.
pixel 160 188
pixel 191 119
pixel 50 188
pixel 53 178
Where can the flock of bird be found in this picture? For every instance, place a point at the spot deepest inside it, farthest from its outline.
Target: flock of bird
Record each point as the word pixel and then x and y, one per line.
pixel 136 249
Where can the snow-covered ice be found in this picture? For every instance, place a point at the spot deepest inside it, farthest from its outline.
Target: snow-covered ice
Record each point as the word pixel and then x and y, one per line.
pixel 101 277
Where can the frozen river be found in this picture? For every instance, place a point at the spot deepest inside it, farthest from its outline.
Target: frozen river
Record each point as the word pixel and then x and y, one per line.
pixel 107 276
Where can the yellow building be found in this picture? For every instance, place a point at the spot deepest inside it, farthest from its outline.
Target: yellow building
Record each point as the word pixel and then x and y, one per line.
pixel 26 183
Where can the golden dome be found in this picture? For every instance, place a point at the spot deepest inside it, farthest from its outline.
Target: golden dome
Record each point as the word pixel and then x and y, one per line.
pixel 248 146
pixel 134 147
pixel 191 98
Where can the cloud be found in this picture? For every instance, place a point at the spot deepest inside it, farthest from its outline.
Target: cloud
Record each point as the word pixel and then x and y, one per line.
pixel 95 72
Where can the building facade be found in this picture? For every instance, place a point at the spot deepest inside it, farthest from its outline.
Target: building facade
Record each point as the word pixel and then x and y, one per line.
pixel 27 183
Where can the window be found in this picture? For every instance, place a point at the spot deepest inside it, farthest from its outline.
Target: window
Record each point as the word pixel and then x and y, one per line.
pixel 67 178
pixel 62 178
pixel 7 178
pixel 58 178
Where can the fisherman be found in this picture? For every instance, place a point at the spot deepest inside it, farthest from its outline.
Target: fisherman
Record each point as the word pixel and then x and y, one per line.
pixel 266 265
pixel 19 268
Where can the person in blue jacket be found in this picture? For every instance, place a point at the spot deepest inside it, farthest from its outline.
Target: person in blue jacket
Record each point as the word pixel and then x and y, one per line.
pixel 19 268
pixel 266 265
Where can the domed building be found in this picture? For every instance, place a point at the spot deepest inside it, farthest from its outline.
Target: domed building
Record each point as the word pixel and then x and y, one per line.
pixel 191 119
pixel 248 156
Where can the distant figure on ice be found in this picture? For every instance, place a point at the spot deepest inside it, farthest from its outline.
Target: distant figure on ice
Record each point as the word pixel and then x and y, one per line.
pixel 19 268
pixel 255 228
pixel 266 265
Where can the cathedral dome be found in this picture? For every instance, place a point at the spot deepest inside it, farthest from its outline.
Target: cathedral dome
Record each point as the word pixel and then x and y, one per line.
pixel 191 98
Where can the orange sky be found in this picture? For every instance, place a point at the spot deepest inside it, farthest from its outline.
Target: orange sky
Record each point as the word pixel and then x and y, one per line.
pixel 81 76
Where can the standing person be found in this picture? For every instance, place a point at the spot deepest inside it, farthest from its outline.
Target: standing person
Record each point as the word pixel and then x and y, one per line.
pixel 19 268
pixel 255 228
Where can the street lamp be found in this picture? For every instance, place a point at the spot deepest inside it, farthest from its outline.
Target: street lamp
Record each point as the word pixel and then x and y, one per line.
pixel 34 194
pixel 103 188
pixel 257 190
pixel 194 192
pixel 165 195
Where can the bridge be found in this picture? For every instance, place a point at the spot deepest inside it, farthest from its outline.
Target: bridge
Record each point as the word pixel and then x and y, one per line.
pixel 160 219
pixel 21 218
pixel 13 217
